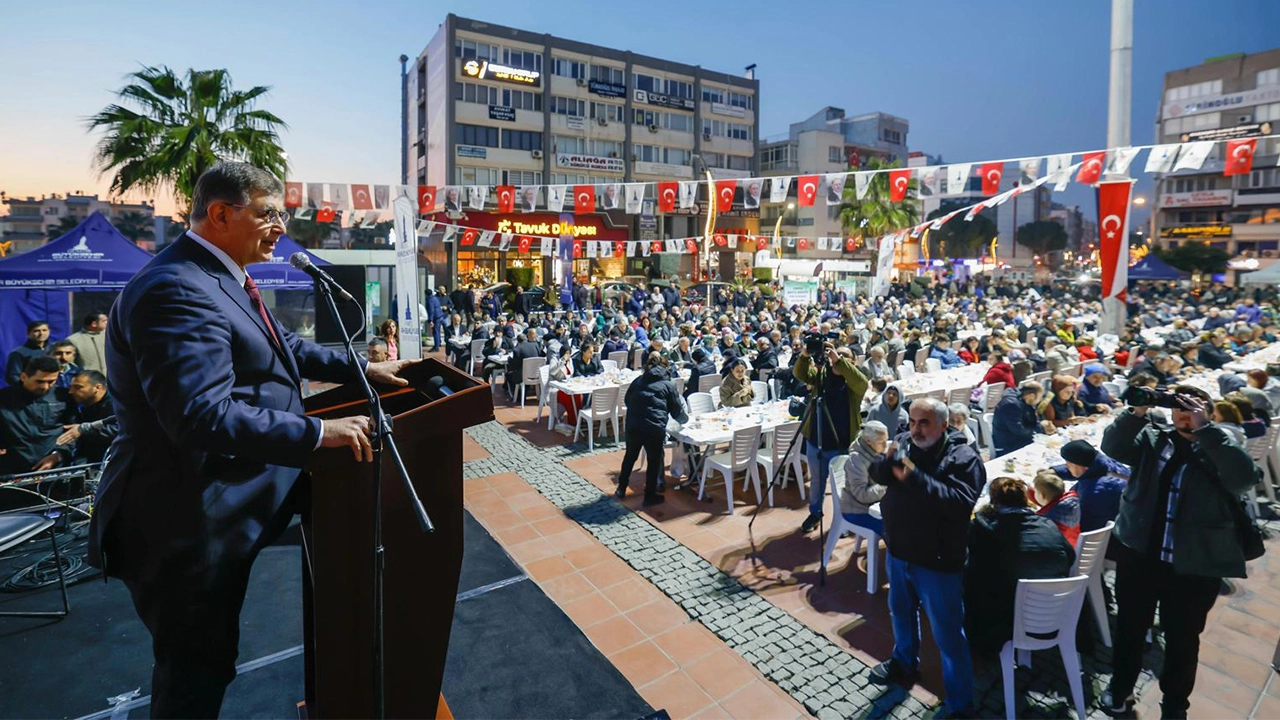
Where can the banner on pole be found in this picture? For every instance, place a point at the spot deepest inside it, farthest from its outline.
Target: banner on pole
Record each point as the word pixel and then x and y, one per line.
pixel 410 322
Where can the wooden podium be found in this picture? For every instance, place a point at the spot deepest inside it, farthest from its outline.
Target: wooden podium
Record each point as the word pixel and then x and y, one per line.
pixel 421 580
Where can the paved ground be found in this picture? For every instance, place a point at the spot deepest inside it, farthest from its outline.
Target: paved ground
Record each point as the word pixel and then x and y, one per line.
pixel 702 625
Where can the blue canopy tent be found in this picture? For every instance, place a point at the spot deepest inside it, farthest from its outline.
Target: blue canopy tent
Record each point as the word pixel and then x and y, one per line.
pixel 278 274
pixel 1153 268
pixel 36 285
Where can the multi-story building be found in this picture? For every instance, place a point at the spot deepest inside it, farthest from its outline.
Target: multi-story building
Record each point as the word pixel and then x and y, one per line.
pixel 31 220
pixel 493 105
pixel 824 142
pixel 1225 98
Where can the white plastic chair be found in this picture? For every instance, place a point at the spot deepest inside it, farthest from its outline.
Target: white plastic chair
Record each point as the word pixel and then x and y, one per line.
pixel 604 407
pixel 1260 450
pixel 707 383
pixel 779 457
pixel 619 358
pixel 743 454
pixel 932 365
pixel 760 392
pixel 905 371
pixel 985 437
pixel 700 403
pixel 477 359
pixel 637 359
pixel 529 375
pixel 608 365
pixel 622 405
pixel 1091 550
pixel 921 356
pixel 544 396
pixel 835 481
pixel 1045 615
pixel 995 391
pixel 959 395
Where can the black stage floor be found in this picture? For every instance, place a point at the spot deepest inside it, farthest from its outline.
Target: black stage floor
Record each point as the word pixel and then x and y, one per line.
pixel 513 653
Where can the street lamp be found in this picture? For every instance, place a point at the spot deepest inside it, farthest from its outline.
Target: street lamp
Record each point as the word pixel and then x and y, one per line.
pixel 777 227
pixel 1139 200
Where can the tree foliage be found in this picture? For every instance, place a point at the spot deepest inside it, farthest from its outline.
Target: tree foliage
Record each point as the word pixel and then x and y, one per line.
pixel 962 239
pixel 135 226
pixel 66 224
pixel 875 214
pixel 1042 236
pixel 166 130
pixel 1192 256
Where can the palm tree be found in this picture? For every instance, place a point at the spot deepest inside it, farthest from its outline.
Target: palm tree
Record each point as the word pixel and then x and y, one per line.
pixel 182 127
pixel 875 214
pixel 66 224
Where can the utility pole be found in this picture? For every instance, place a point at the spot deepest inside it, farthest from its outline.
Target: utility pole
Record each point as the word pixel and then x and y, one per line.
pixel 404 119
pixel 1120 97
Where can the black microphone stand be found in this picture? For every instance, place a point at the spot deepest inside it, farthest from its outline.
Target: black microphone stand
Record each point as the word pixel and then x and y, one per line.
pixel 381 438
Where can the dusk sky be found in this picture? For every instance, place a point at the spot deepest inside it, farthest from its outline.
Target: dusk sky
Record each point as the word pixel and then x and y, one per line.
pixel 976 80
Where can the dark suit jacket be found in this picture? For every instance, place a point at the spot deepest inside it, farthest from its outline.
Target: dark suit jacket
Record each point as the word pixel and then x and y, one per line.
pixel 212 432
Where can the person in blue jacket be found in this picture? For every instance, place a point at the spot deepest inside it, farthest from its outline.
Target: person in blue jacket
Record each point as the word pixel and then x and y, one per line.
pixel 943 353
pixel 1100 480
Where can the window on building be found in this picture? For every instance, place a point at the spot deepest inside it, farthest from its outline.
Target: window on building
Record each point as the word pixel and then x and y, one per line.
pixel 612 75
pixel 1264 178
pixel 647 153
pixel 475 135
pixel 568 68
pixel 835 154
pixel 741 100
pixel 891 136
pixel 523 177
pixel 778 156
pixel 474 93
pixel 524 59
pixel 1267 113
pixel 713 159
pixel 564 179
pixel 738 162
pixel 738 131
pixel 714 95
pixel 521 140
pixel 647 117
pixel 678 156
pixel 606 148
pixel 477 176
pixel 1186 92
pixel 648 83
pixel 715 128
pixel 472 50
pixel 680 89
pixel 566 144
pixel 678 122
pixel 567 106
pixel 522 100
pixel 1269 77
pixel 608 111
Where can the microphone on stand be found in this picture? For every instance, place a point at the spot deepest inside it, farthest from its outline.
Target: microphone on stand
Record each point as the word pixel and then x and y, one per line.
pixel 437 388
pixel 300 261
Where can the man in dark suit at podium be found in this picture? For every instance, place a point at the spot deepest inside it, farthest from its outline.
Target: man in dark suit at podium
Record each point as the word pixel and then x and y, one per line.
pixel 205 470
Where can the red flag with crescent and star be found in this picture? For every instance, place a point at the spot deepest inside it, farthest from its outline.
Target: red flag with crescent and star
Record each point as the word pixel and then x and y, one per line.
pixel 691 245
pixel 1240 156
pixel 326 214
pixel 577 248
pixel 719 239
pixel 724 194
pixel 293 194
pixel 506 198
pixel 802 243
pixel 667 192
pixel 619 248
pixel 806 190
pixel 1091 167
pixel 584 199
pixel 1113 236
pixel 360 197
pixel 899 181
pixel 991 172
pixel 657 245
pixel 469 236
pixel 762 243
pixel 850 244
pixel 426 199
pixel 526 242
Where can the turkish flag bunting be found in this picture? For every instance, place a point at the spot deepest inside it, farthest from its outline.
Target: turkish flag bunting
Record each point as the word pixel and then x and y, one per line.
pixel 469 236
pixel 584 199
pixel 506 198
pixel 1240 156
pixel 1091 167
pixel 991 172
pixel 802 243
pixel 526 242
pixel 806 189
pixel 724 194
pixel 360 197
pixel 577 248
pixel 850 244
pixel 657 245
pixel 325 214
pixel 719 239
pixel 667 193
pixel 426 199
pixel 691 245
pixel 1113 244
pixel 293 194
pixel 762 243
pixel 899 181
pixel 619 248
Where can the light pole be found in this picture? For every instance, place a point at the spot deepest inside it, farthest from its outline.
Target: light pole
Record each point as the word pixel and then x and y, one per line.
pixel 777 227
pixel 711 210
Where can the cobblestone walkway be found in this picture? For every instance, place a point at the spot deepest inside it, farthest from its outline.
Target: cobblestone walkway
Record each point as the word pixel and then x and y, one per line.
pixel 824 678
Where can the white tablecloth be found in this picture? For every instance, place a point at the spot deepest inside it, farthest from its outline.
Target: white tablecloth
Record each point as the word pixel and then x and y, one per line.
pixel 967 376
pixel 583 385
pixel 717 427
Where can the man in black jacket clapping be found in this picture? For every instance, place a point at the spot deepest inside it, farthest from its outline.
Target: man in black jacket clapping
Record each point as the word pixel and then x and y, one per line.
pixel 651 401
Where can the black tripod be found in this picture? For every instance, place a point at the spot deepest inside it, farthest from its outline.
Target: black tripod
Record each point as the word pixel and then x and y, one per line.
pixel 381 438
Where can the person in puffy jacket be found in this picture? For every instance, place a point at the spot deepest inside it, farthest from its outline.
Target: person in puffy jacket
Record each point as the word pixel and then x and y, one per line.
pixel 1007 542
pixel 702 365
pixel 859 492
pixel 943 353
pixel 1014 421
pixel 1056 502
pixel 1100 481
pixel 1000 371
pixel 651 402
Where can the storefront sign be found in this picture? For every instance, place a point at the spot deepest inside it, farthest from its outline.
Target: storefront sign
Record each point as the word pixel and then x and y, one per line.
pixel 700 209
pixel 1221 102
pixel 665 170
pixel 645 97
pixel 1196 231
pixel 504 113
pixel 799 293
pixel 1198 198
pixel 544 224
pixel 1228 133
pixel 471 151
pixel 589 162
pixel 575 122
pixel 485 70
pixel 606 89
pixel 730 110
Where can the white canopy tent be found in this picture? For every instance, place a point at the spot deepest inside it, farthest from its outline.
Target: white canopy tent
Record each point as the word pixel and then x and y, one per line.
pixel 1269 275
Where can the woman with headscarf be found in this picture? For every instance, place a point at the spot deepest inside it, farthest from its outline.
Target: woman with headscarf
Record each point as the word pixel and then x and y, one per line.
pixel 1061 407
pixel 735 388
pixel 889 411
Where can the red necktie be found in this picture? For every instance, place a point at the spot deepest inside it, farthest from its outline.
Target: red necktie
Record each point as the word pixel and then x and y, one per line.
pixel 255 297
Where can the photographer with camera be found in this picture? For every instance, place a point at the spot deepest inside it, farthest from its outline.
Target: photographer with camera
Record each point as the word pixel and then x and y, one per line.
pixel 836 390
pixel 1178 536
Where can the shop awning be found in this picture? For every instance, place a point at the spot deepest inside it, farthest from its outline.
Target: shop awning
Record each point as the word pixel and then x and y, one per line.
pixel 791 268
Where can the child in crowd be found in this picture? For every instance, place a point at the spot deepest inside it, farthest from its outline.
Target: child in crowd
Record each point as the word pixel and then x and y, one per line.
pixel 1057 503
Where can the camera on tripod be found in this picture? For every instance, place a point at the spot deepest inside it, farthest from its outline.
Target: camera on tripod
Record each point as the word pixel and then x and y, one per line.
pixel 814 344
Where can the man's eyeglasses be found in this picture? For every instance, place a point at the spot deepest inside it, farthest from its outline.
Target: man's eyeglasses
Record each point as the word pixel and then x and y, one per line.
pixel 271 215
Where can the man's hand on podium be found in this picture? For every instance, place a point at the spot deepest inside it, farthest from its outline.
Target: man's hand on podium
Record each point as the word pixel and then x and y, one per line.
pixel 352 432
pixel 388 372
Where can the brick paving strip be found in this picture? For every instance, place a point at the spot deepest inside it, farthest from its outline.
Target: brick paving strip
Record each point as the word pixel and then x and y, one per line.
pixel 816 672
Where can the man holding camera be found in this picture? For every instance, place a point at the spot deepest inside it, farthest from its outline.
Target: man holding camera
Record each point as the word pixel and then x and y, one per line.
pixel 1177 537
pixel 836 388
pixel 933 481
